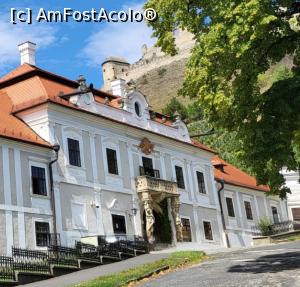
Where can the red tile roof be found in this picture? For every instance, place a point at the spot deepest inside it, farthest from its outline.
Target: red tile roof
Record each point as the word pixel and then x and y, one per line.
pixel 28 86
pixel 13 128
pixel 232 175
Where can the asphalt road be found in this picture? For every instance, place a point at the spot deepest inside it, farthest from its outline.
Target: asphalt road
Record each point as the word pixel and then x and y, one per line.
pixel 275 265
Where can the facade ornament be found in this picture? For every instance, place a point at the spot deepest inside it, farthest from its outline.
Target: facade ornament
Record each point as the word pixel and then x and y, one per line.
pixel 150 220
pixel 175 204
pixel 146 146
pixel 82 84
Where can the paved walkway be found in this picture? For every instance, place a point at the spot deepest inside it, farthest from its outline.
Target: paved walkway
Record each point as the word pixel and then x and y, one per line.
pixel 102 270
pixel 276 265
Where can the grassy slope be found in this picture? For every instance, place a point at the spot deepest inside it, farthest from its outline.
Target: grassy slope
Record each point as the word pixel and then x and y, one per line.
pixel 175 260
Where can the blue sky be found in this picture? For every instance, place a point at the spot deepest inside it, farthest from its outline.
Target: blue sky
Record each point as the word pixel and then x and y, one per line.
pixel 71 49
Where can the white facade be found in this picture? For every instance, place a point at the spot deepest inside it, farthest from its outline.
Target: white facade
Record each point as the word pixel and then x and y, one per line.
pixel 19 207
pixel 94 179
pixel 238 222
pixel 293 199
pixel 86 197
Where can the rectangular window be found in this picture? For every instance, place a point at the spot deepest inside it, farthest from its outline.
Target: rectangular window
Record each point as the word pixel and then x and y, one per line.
pixel 275 214
pixel 119 224
pixel 296 214
pixel 38 178
pixel 42 234
pixel 186 230
pixel 201 183
pixel 112 161
pixel 74 152
pixel 207 230
pixel 248 210
pixel 230 207
pixel 179 177
pixel 147 168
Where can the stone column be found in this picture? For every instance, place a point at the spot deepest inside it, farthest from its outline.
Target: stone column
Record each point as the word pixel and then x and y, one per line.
pixel 150 219
pixel 175 204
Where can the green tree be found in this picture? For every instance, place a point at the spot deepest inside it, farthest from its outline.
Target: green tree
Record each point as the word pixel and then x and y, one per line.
pixel 188 113
pixel 237 43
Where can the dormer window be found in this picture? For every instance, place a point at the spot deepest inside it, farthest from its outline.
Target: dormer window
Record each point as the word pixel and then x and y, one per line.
pixel 137 108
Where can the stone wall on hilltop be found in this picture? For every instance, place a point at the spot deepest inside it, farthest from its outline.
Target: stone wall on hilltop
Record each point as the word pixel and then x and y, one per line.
pixel 157 75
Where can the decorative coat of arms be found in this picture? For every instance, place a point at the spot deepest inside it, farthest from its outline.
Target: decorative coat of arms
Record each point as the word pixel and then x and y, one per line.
pixel 146 146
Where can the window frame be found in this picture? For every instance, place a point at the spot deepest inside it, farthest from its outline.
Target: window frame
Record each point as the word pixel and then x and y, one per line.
pixel 79 151
pixel 191 233
pixel 211 230
pixel 39 181
pixel 37 220
pixel 180 184
pixel 202 184
pixel 137 109
pixel 39 164
pixel 115 160
pixel 278 217
pixel 125 222
pixel 248 210
pixel 230 212
pixel 109 142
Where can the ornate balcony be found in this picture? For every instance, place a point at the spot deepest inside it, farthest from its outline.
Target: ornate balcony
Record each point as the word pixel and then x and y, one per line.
pixel 156 187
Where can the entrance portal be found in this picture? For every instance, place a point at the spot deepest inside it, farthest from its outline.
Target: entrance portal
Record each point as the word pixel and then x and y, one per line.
pixel 162 226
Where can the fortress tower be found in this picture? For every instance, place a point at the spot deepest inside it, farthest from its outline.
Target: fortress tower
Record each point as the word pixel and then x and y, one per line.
pixel 157 75
pixel 112 68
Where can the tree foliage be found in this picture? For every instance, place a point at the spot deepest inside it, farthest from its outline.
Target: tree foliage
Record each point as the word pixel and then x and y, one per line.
pixel 237 42
pixel 225 143
pixel 188 113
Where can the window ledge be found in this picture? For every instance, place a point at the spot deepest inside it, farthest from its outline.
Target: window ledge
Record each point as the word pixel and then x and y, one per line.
pixel 114 175
pixel 41 248
pixel 76 167
pixel 80 228
pixel 40 196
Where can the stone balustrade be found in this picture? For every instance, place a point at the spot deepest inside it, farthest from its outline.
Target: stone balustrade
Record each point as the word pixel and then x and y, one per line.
pixel 156 186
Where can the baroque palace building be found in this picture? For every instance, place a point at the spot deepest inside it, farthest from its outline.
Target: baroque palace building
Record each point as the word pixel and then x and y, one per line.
pixel 80 162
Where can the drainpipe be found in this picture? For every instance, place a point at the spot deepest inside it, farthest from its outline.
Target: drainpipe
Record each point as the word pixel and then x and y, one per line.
pixel 56 149
pixel 222 212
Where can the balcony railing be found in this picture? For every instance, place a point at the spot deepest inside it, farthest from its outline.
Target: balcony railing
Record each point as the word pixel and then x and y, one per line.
pixel 149 172
pixel 156 186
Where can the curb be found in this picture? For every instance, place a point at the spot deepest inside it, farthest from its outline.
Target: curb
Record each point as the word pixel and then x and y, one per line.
pixel 147 275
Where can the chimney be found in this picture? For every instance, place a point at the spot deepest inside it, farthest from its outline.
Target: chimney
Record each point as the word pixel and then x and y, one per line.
pixel 118 87
pixel 27 53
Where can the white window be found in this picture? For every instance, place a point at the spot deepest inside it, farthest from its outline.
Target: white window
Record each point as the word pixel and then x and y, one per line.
pixel 39 183
pixel 73 145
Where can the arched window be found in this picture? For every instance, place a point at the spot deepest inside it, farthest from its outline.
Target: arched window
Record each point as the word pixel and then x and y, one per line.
pixel 137 108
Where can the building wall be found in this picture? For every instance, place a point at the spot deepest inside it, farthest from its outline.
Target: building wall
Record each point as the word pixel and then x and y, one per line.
pixel 19 208
pixel 293 199
pixel 102 194
pixel 239 227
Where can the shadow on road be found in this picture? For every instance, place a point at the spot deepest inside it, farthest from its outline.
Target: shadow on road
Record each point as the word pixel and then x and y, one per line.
pixel 270 263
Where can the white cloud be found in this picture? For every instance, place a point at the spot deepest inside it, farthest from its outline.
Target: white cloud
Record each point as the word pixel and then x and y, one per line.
pixel 12 35
pixel 118 39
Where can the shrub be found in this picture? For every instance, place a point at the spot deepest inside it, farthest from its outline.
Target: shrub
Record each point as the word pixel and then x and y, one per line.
pixel 265 226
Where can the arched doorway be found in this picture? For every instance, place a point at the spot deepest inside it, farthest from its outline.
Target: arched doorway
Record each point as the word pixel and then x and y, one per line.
pixel 162 226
